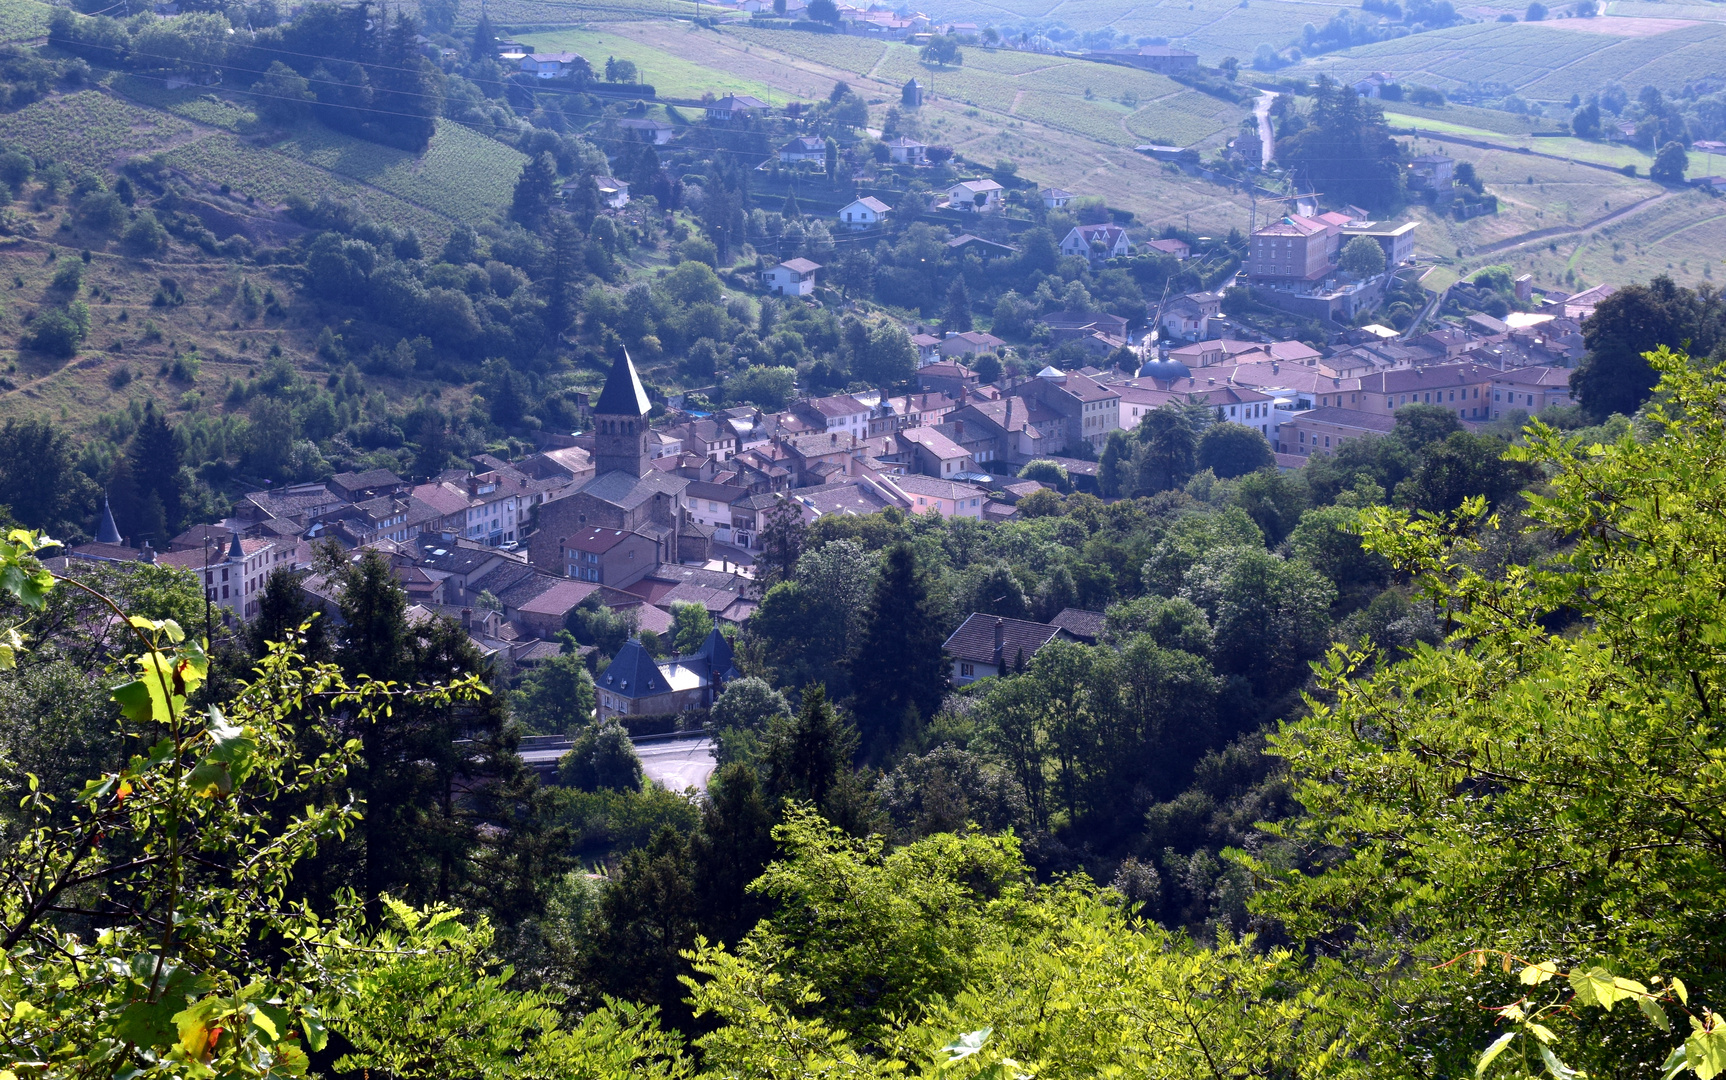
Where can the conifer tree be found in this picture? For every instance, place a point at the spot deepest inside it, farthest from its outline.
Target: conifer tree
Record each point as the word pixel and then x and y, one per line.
pixel 535 192
pixel 897 673
pixel 958 313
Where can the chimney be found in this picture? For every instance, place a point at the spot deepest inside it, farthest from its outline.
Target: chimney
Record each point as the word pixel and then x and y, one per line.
pixel 958 430
pixel 833 439
pixel 467 618
pixel 1000 642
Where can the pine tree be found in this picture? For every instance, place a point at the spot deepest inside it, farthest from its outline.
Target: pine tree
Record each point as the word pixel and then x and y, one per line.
pixel 898 675
pixel 1115 467
pixel 731 849
pixel 484 40
pixel 958 313
pixel 805 756
pixel 282 607
pixel 155 459
pixel 792 211
pixel 564 275
pixel 535 192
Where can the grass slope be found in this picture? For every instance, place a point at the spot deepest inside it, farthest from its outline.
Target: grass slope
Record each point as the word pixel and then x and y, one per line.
pixel 670 73
pixel 462 175
pixel 1543 60
pixel 89 129
pixel 23 20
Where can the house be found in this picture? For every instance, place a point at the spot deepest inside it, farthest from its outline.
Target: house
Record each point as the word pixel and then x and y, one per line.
pixel 1530 389
pixel 233 580
pixel 903 151
pixel 1096 242
pixel 562 65
pixel 1012 429
pixel 1188 317
pixel 1433 172
pixel 986 645
pixel 1067 326
pixel 911 94
pixel 1056 198
pixel 974 196
pixel 1301 433
pixel 657 132
pixel 931 494
pixel 864 213
pixel 612 191
pixel 840 414
pixel 968 244
pixel 928 348
pixel 607 556
pixel 1176 249
pixel 1372 85
pixel 634 684
pixel 948 377
pixel 1089 409
pixel 968 343
pixel 934 454
pixel 1465 387
pixel 1296 250
pixel 795 277
pixel 733 107
pixel 803 148
pixel 357 486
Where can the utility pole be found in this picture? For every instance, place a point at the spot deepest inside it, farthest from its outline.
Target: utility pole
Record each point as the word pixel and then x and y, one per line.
pixel 206 585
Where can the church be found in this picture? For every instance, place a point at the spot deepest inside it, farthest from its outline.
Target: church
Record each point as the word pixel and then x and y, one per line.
pixel 626 493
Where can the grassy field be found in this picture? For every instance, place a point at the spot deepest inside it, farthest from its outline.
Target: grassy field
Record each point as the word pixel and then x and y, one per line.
pixel 671 74
pixel 463 175
pixel 1544 61
pixel 23 20
pixel 853 54
pixel 519 15
pixel 271 177
pixel 89 129
pixel 190 102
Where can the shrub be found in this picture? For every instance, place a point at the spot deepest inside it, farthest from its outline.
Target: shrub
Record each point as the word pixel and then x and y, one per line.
pixel 145 236
pixel 58 331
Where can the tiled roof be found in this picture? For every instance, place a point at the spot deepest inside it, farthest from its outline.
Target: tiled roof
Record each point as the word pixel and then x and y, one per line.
pixel 975 639
pixel 1087 625
pixel 1353 418
pixel 627 492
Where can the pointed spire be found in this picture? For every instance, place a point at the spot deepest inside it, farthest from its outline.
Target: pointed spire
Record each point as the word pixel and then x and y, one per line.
pixel 623 394
pixel 235 551
pixel 107 532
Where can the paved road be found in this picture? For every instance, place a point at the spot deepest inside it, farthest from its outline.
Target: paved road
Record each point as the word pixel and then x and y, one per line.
pixel 672 763
pixel 1267 138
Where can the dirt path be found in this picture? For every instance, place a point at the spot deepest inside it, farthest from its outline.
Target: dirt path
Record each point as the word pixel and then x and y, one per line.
pixel 1267 139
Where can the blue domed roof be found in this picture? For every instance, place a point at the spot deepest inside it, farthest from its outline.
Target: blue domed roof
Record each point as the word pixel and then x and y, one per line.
pixel 1165 370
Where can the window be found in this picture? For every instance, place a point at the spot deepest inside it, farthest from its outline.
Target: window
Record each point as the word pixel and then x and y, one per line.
pixel 967 671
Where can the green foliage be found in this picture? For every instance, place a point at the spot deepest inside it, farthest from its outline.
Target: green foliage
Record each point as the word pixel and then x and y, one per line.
pixel 691 623
pixel 768 387
pixel 1232 450
pixel 1362 257
pixel 1603 654
pixel 557 695
pixel 601 757
pixel 1048 473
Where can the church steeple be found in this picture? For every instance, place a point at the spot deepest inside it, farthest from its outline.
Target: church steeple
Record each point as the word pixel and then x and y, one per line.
pixel 620 422
pixel 106 531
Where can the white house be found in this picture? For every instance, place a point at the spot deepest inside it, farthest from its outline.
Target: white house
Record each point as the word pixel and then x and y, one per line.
pixel 1113 238
pixel 657 132
pixel 1055 198
pixel 865 213
pixel 1189 317
pixel 974 196
pixel 793 278
pixel 903 151
pixel 612 191
pixel 552 65
pixel 803 148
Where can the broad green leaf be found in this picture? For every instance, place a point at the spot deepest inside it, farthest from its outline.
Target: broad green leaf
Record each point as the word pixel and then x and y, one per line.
pixel 1681 990
pixel 134 699
pixel 1676 1062
pixel 967 1044
pixel 1597 986
pixel 1558 1069
pixel 1535 974
pixel 1705 1052
pixel 1656 1015
pixel 270 1020
pixel 1542 1032
pixel 317 1035
pixel 210 778
pixel 147 1023
pixel 1491 1052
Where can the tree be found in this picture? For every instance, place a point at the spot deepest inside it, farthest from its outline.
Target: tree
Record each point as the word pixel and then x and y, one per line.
pixel 39 480
pixel 59 331
pixel 691 623
pixel 1614 377
pixel 484 47
pixel 768 387
pixel 1232 450
pixel 1362 257
pixel 1461 467
pixel 557 696
pixel 1669 164
pixel 898 674
pixel 155 454
pixel 957 314
pixel 942 50
pixel 1585 122
pixel 830 156
pixel 890 359
pixel 1115 476
pixel 1346 150
pixel 601 759
pixel 806 756
pixel 1048 473
pixel 1168 450
pixel 647 919
pixel 748 703
pixel 1600 654
pixel 535 192
pixel 824 11
pixel 1271 616
pixel 782 537
pixel 1536 11
pixel 284 95
pixel 282 609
